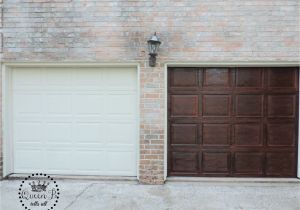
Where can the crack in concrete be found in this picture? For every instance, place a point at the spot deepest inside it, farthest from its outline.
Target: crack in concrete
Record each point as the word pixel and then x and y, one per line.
pixel 77 196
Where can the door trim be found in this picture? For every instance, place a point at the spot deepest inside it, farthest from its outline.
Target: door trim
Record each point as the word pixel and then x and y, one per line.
pixel 6 101
pixel 233 64
pixel 221 64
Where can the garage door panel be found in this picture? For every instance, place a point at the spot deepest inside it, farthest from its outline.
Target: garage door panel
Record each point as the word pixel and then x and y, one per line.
pixel 122 118
pixel 59 78
pixel 215 162
pixel 234 122
pixel 23 165
pixel 121 79
pixel 58 132
pixel 80 119
pixel 88 104
pixel 281 105
pixel 216 77
pixel 281 134
pixel 182 77
pixel 28 103
pixel 89 132
pixel 26 78
pixel 280 163
pixel 185 162
pixel 91 79
pixel 216 105
pixel 51 118
pixel 249 78
pixel 57 159
pixel 282 78
pixel 120 162
pixel 28 132
pixel 249 163
pixel 184 133
pixel 63 107
pixel 121 133
pixel 249 105
pixel 184 105
pixel 248 134
pixel 121 104
pixel 90 160
pixel 216 134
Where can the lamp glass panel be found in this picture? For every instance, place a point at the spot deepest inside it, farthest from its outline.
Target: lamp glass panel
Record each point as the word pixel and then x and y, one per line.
pixel 153 47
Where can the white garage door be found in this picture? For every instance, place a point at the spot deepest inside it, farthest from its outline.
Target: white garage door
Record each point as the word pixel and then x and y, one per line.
pixel 74 120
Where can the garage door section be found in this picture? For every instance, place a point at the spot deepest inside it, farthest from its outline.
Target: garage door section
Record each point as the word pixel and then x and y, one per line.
pixel 232 121
pixel 74 121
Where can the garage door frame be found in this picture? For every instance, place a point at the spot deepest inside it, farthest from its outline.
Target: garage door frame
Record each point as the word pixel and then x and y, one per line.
pixel 8 162
pixel 221 64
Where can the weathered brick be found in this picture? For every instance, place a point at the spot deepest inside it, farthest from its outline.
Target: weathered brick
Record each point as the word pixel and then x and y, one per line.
pixel 117 31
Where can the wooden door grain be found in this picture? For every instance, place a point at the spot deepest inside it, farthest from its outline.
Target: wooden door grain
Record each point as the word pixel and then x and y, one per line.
pixel 233 121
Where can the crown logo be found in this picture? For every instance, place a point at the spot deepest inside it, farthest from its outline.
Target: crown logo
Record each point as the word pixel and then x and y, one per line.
pixel 38 187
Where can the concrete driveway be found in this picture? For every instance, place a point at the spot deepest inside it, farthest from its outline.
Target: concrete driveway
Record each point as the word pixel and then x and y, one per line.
pixel 122 195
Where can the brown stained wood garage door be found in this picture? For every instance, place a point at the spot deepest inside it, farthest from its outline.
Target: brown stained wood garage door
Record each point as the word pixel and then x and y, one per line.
pixel 232 121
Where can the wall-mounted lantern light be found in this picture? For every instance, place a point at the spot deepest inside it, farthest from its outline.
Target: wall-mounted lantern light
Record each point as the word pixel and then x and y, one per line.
pixel 153 45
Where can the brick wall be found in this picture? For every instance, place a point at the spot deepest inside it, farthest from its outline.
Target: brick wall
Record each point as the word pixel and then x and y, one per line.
pixel 1 54
pixel 152 125
pixel 116 31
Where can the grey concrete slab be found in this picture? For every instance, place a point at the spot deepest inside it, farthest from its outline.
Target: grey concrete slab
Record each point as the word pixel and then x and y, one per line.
pixel 123 195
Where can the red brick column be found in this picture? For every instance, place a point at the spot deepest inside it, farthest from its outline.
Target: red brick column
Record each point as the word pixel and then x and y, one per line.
pixel 151 168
